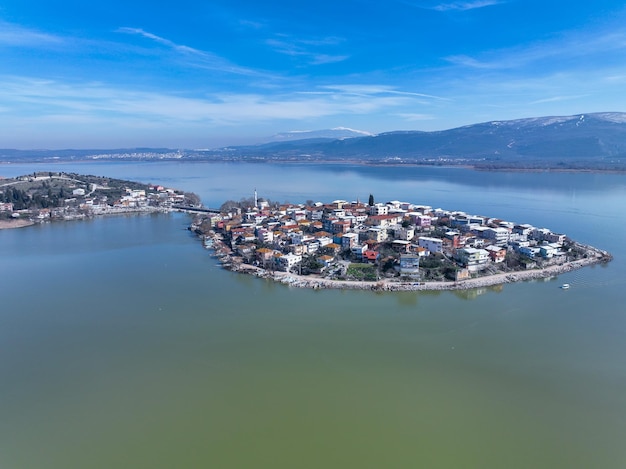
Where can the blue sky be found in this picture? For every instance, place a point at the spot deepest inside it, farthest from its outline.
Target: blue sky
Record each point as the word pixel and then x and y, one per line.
pixel 191 74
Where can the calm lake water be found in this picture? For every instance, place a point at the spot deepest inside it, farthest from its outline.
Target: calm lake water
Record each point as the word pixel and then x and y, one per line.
pixel 124 345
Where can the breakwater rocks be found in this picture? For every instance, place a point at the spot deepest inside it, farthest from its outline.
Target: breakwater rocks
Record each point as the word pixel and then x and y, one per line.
pixel 234 263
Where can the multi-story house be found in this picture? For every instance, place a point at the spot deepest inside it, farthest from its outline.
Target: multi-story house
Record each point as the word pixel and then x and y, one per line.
pixel 431 244
pixel 554 238
pixel 529 251
pixel 349 240
pixel 379 209
pixel 357 250
pixel 497 236
pixel 405 234
pixel 539 233
pixel 523 229
pixel 496 253
pixel 377 234
pixel 287 261
pixel 264 235
pixel 471 258
pixel 409 265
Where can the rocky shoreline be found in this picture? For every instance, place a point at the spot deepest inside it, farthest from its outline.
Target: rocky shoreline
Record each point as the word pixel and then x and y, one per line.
pixel 232 263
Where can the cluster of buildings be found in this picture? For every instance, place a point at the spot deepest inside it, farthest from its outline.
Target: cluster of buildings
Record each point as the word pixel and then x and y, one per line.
pixel 281 237
pixel 93 199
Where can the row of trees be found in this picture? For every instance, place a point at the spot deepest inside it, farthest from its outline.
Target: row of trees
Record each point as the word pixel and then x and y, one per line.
pixel 21 200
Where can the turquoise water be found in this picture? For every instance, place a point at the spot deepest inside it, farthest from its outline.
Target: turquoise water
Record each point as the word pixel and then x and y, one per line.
pixel 124 345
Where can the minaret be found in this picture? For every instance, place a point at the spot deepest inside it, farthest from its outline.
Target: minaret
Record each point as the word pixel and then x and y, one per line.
pixel 256 201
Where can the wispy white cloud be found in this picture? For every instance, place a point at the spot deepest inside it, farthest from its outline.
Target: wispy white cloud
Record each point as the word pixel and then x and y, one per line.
pixel 163 41
pixel 16 35
pixel 414 117
pixel 463 6
pixel 51 98
pixel 570 45
pixel 554 99
pixel 196 57
pixel 304 48
pixel 452 6
pixel 371 90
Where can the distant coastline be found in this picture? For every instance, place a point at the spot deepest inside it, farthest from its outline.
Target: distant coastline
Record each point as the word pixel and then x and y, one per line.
pixel 336 162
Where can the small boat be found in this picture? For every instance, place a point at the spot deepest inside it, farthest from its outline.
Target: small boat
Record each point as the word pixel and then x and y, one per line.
pixel 565 286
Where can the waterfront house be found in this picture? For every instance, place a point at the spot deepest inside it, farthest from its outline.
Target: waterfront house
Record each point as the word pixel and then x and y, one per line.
pixel 264 255
pixel 471 258
pixel 409 265
pixel 529 251
pixel 287 261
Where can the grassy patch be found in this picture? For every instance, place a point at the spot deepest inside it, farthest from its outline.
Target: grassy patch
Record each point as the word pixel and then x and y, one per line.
pixel 363 272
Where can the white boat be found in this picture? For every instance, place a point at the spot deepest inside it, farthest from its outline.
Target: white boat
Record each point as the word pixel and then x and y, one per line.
pixel 565 286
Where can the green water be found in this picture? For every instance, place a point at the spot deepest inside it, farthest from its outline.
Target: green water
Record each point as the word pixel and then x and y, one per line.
pixel 123 345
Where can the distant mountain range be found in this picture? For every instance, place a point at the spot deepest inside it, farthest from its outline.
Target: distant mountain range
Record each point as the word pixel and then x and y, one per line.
pixel 584 141
pixel 336 133
pixel 597 140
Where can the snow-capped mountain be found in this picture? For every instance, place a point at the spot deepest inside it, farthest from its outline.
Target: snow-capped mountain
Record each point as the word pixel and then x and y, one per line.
pixel 339 133
pixel 582 140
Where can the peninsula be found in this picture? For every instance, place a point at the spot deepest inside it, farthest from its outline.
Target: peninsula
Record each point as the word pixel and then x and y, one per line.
pixel 384 246
pixel 45 196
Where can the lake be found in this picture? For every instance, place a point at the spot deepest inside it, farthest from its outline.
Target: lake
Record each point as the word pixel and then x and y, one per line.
pixel 124 344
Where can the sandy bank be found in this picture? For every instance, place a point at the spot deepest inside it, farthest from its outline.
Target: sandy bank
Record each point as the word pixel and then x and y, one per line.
pixel 8 224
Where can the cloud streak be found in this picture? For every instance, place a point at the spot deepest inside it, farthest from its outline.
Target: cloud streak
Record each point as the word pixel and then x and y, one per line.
pixel 464 6
pixel 15 35
pixel 95 99
pixel 373 90
pixel 572 45
pixel 302 48
pixel 196 57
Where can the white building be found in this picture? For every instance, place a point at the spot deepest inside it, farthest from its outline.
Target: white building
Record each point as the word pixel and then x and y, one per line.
pixel 472 258
pixel 497 236
pixel 288 261
pixel 405 234
pixel 379 209
pixel 409 265
pixel 431 244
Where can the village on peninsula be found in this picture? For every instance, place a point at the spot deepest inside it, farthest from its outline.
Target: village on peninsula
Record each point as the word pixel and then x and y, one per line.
pixel 384 246
pixel 360 245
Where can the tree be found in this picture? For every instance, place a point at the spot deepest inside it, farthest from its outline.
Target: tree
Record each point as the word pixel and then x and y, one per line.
pixel 229 205
pixel 370 202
